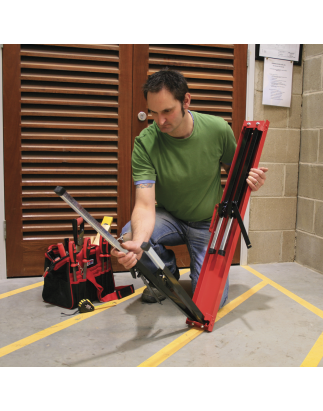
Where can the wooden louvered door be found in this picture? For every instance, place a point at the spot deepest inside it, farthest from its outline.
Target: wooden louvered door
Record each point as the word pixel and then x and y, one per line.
pixel 67 121
pixel 216 76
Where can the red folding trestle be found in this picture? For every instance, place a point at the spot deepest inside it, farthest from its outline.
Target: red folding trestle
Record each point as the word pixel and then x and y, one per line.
pixel 225 228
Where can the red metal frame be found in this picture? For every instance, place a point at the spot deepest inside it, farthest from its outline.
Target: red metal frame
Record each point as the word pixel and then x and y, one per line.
pixel 215 268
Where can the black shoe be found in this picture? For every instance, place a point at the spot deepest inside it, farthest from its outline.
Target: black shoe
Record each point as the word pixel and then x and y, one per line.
pixel 147 297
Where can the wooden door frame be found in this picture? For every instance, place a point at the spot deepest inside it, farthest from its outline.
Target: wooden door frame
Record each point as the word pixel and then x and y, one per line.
pixel 3 259
pixel 124 124
pixel 140 55
pixel 125 144
pixel 12 145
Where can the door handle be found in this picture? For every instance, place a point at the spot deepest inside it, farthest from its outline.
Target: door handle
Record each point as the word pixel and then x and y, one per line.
pixel 142 116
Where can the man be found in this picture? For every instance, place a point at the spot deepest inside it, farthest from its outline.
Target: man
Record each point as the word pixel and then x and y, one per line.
pixel 176 162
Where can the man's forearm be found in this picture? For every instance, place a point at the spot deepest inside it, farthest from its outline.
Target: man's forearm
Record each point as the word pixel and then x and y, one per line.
pixel 142 223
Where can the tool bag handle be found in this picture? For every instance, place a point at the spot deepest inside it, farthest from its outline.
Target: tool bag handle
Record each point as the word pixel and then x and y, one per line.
pixel 76 234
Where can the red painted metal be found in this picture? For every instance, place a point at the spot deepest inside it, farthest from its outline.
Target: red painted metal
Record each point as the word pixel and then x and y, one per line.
pixel 215 268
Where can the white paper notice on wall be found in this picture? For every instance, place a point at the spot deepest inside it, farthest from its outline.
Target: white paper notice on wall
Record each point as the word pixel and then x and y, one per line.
pixel 277 86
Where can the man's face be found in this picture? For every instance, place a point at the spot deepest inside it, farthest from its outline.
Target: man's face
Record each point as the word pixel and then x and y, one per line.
pixel 166 110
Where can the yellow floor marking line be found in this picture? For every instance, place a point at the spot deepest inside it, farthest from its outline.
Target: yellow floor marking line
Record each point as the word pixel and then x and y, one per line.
pixel 293 296
pixel 188 336
pixel 315 356
pixel 20 290
pixel 62 325
pixel 171 348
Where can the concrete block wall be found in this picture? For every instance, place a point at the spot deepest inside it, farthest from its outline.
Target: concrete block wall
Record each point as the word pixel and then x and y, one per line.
pixel 309 225
pixel 272 220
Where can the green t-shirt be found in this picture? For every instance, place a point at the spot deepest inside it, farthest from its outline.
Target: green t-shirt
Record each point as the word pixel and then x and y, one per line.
pixel 187 171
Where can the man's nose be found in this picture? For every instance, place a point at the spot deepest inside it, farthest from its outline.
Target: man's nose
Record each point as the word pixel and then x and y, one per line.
pixel 161 119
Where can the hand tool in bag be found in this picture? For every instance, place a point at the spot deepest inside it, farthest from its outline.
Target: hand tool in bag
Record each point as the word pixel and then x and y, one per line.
pixel 202 309
pixel 66 244
pixel 72 253
pixel 86 258
pixel 78 234
pixel 103 244
pixel 106 222
pixel 61 250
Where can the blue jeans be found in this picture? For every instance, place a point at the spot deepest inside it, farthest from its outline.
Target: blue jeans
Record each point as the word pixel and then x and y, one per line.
pixel 169 231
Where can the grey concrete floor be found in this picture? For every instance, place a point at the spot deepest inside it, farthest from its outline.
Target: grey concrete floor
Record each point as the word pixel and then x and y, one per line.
pixel 269 329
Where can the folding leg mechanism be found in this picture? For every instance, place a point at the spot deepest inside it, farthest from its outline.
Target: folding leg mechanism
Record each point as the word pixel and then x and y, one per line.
pixel 225 228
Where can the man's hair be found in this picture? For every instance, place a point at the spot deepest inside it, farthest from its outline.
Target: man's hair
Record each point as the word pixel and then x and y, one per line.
pixel 171 80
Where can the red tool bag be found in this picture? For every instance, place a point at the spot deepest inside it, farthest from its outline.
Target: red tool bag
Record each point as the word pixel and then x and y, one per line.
pixel 72 276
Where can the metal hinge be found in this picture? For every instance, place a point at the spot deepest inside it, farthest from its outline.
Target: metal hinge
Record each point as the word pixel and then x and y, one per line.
pixel 5 229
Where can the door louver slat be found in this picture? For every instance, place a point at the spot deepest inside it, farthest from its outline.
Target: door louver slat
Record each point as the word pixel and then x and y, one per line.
pixel 78 124
pixel 54 76
pixel 76 101
pixel 43 192
pixel 51 64
pixel 68 135
pixel 60 53
pixel 70 89
pixel 89 46
pixel 53 227
pixel 29 146
pixel 195 51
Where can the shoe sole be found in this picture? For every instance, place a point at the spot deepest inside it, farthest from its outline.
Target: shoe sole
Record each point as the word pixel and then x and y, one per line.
pixel 151 300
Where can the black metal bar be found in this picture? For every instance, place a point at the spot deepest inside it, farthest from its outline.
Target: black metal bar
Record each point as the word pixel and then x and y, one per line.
pixel 236 213
pixel 237 166
pixel 256 136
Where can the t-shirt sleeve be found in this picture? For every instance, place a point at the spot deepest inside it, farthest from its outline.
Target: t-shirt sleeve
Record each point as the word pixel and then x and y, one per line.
pixel 229 145
pixel 142 168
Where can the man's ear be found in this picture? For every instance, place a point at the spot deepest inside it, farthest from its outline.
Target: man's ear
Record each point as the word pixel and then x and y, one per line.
pixel 187 101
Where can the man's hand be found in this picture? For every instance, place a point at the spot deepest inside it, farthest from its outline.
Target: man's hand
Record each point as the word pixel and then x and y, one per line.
pixel 256 178
pixel 130 259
